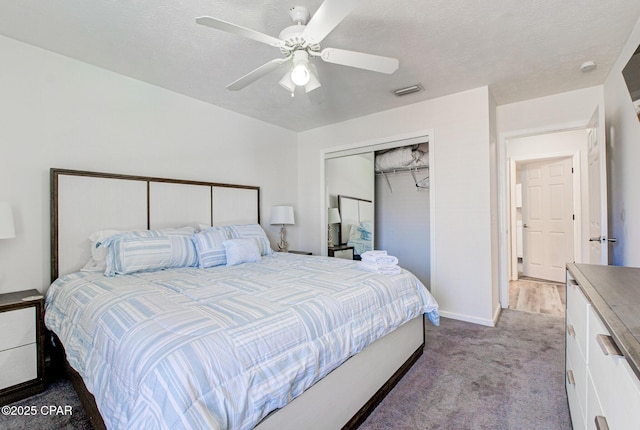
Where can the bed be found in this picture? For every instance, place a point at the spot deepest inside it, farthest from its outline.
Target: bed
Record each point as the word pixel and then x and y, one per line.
pixel 254 342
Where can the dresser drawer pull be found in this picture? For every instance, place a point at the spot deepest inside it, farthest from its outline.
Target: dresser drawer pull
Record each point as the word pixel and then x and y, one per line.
pixel 570 379
pixel 601 423
pixel 571 330
pixel 608 346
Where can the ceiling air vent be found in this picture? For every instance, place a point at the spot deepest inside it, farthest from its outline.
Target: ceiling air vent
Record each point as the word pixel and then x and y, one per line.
pixel 408 90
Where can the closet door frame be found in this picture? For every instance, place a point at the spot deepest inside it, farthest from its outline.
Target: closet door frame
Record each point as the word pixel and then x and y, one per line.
pixel 378 145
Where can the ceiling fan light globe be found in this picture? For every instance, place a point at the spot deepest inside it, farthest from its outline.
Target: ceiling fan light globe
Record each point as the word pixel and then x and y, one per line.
pixel 300 74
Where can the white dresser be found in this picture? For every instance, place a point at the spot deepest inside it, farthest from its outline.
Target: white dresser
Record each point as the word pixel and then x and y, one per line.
pixel 603 346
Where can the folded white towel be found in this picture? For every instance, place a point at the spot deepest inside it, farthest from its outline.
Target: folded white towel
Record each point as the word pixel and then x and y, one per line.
pixel 387 260
pixel 386 270
pixel 378 253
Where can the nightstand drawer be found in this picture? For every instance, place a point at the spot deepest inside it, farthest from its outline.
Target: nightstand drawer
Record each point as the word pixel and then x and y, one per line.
pixel 18 365
pixel 18 328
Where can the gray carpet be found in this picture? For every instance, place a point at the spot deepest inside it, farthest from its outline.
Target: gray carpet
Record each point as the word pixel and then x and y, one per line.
pixel 59 393
pixel 474 377
pixel 470 378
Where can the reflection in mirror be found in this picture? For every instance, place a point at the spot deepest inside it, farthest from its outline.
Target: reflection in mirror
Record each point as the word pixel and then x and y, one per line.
pixel 631 73
pixel 349 175
pixel 356 225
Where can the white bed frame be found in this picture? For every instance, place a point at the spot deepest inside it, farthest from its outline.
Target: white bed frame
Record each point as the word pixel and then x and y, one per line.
pixel 84 202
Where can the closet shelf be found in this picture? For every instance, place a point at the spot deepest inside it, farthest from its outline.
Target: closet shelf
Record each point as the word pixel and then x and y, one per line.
pixel 420 183
pixel 402 169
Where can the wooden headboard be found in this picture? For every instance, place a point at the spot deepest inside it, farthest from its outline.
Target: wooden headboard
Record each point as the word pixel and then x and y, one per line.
pixel 84 202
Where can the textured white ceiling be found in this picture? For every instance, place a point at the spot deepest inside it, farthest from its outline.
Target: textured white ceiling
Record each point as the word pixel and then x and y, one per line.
pixel 521 49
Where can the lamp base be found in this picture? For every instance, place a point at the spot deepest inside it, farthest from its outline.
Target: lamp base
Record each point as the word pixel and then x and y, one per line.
pixel 329 236
pixel 283 246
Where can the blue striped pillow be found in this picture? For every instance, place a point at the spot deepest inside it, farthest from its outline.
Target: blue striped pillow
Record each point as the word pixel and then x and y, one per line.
pixel 148 250
pixel 252 231
pixel 210 248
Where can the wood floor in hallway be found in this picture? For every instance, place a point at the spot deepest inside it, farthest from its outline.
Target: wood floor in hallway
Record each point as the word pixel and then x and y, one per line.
pixel 537 296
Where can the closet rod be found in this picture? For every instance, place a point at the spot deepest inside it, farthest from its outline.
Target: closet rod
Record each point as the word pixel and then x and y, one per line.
pixel 419 183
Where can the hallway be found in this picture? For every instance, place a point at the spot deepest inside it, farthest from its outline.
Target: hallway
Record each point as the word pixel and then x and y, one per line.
pixel 537 296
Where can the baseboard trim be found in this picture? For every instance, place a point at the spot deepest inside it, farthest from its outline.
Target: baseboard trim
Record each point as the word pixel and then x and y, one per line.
pixel 496 314
pixel 467 318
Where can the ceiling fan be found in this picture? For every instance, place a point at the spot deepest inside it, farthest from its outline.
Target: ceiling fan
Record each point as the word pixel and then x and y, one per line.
pixel 300 42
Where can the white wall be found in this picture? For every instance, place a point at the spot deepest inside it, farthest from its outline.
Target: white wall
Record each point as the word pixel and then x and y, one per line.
pixel 623 146
pixel 547 114
pixel 58 112
pixel 462 273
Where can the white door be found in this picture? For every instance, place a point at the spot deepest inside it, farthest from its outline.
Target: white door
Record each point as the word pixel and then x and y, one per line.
pixel 598 227
pixel 547 218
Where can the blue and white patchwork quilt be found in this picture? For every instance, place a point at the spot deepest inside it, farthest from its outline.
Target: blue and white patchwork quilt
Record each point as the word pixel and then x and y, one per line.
pixel 220 348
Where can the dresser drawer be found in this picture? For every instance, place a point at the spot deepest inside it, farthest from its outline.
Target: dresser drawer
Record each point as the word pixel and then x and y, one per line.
pixel 576 384
pixel 18 328
pixel 617 386
pixel 577 311
pixel 594 408
pixel 18 365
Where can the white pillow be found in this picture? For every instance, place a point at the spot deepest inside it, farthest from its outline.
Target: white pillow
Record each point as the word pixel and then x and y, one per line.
pixel 251 231
pixel 241 251
pixel 97 262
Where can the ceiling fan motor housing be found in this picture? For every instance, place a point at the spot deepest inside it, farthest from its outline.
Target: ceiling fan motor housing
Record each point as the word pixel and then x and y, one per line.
pixel 299 15
pixel 293 40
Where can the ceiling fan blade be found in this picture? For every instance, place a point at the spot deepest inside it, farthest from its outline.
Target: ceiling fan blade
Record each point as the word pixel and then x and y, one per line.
pixel 360 60
pixel 327 17
pixel 239 30
pixel 256 74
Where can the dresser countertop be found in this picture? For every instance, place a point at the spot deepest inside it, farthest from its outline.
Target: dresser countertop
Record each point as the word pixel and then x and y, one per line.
pixel 614 293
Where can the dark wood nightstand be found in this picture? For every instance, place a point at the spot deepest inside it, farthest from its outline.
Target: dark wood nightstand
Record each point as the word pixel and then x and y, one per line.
pixel 300 252
pixel 21 345
pixel 341 250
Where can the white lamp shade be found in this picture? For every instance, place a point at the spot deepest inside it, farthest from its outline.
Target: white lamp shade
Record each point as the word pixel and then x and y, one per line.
pixel 334 216
pixel 287 83
pixel 313 83
pixel 7 229
pixel 282 215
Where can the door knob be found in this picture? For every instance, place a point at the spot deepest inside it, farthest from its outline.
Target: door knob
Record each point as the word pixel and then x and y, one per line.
pixel 525 226
pixel 603 239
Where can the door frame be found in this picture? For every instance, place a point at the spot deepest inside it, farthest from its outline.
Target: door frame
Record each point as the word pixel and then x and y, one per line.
pixel 577 203
pixel 504 197
pixel 377 144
